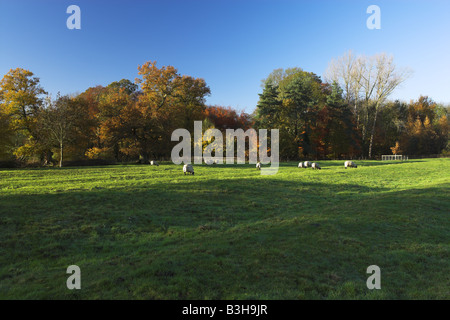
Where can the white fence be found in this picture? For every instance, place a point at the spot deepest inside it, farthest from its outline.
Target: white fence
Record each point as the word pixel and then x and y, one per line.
pixel 394 157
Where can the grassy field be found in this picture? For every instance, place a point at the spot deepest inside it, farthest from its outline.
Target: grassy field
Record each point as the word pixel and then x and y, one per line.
pixel 144 232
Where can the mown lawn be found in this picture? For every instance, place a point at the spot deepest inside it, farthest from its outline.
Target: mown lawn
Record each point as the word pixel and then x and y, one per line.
pixel 144 232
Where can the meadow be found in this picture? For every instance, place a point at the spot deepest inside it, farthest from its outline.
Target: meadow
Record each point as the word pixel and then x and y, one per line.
pixel 227 232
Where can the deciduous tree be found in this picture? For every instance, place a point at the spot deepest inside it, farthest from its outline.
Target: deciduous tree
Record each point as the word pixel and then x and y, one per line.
pixel 368 82
pixel 21 96
pixel 57 123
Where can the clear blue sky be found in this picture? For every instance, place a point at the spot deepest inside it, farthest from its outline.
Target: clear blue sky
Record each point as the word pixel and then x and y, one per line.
pixel 231 44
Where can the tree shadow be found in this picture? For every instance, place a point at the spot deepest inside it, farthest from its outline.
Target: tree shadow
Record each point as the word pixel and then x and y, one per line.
pixel 197 238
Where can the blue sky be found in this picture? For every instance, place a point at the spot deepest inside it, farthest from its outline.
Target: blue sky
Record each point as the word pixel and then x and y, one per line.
pixel 231 44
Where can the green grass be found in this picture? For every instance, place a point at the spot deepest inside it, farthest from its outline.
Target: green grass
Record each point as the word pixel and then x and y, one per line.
pixel 143 232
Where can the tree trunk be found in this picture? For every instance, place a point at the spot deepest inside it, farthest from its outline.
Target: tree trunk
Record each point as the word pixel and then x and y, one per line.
pixel 60 155
pixel 373 132
pixel 116 152
pixel 47 158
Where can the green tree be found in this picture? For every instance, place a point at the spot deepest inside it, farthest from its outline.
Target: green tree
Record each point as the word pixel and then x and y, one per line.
pixel 126 85
pixel 268 110
pixel 289 103
pixel 342 130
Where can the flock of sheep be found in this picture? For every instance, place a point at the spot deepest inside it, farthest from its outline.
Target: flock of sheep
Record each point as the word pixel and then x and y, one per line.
pixel 316 166
pixel 189 169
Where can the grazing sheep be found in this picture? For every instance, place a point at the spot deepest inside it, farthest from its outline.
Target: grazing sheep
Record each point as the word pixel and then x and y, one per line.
pixel 154 163
pixel 300 165
pixel 188 168
pixel 315 166
pixel 306 164
pixel 258 166
pixel 350 164
pixel 209 162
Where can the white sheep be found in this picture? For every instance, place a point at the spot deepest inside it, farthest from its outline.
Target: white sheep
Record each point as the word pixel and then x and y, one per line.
pixel 350 164
pixel 315 166
pixel 209 162
pixel 188 168
pixel 154 163
pixel 300 165
pixel 306 164
pixel 258 165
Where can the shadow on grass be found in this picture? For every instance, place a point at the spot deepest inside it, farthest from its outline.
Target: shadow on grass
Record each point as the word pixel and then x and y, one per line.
pixel 233 239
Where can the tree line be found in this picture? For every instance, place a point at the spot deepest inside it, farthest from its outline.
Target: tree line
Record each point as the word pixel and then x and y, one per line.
pixel 347 117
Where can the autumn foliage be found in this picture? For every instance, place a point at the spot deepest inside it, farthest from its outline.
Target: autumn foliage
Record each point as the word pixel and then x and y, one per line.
pixel 133 121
